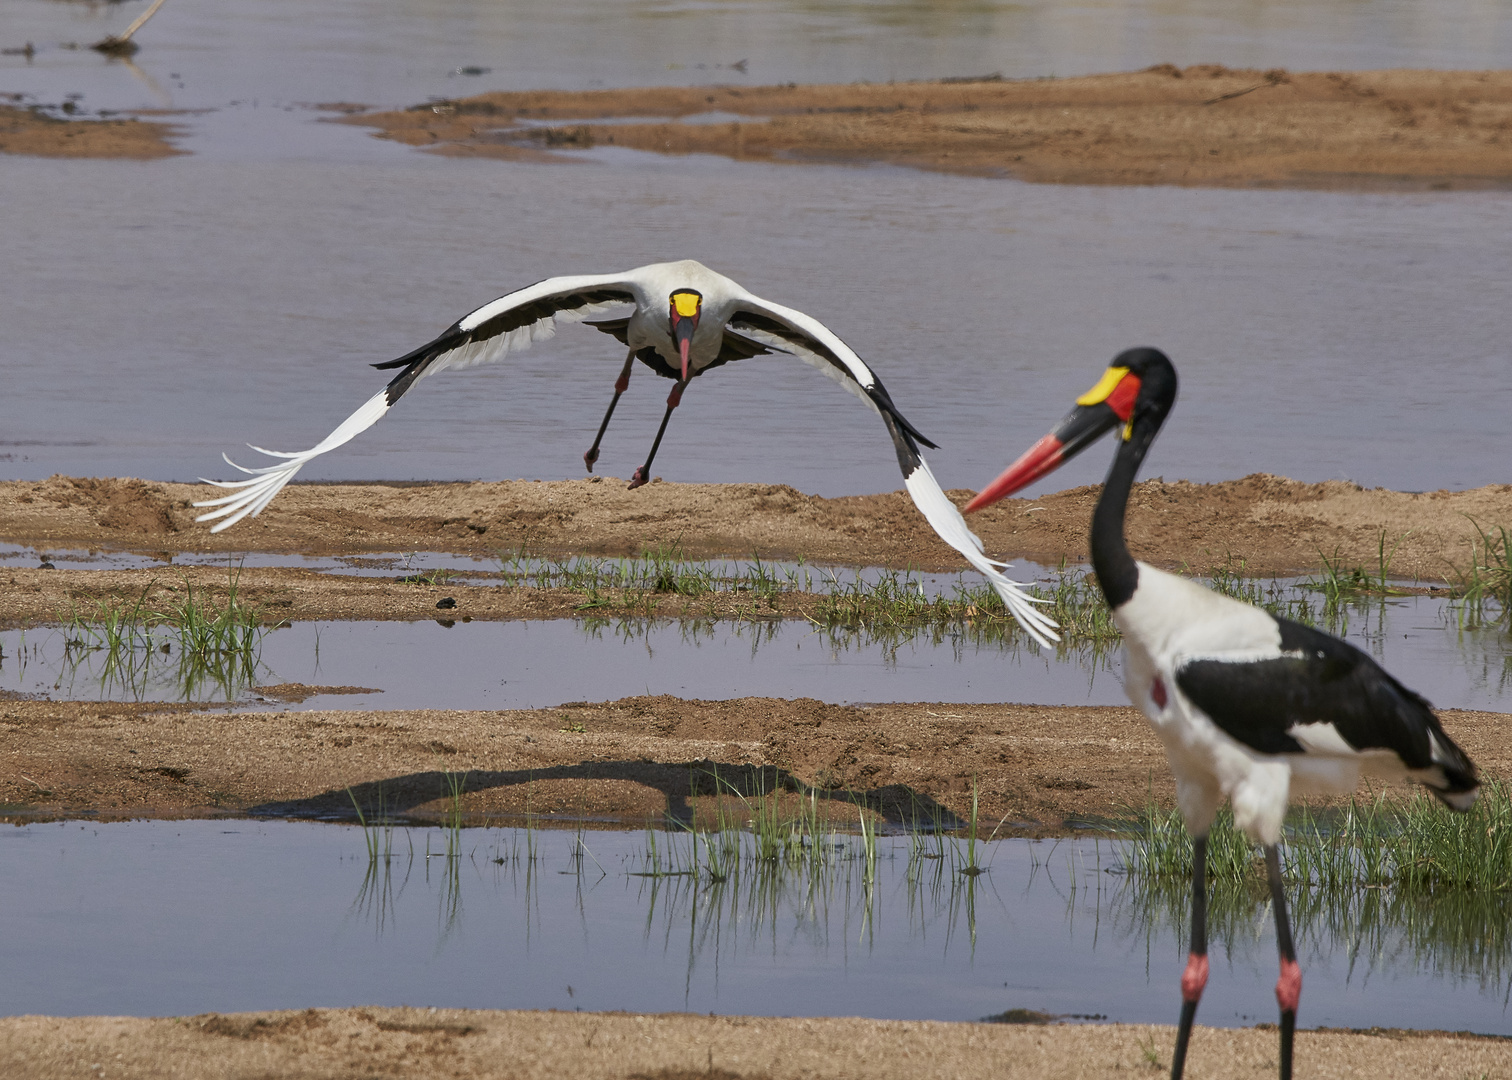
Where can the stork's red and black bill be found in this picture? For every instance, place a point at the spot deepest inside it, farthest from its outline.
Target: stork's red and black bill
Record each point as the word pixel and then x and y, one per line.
pixel 1098 411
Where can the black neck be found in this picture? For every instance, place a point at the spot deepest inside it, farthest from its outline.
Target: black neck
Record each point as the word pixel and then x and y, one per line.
pixel 1115 568
pixel 1116 571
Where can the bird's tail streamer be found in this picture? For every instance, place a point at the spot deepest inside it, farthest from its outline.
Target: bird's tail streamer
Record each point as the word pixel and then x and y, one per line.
pixel 947 521
pixel 251 496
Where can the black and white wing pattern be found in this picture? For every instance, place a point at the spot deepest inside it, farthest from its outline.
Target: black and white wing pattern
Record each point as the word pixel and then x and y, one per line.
pixel 815 344
pixel 507 325
pixel 1324 696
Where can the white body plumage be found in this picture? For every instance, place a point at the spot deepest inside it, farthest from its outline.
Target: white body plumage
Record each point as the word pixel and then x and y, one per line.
pixel 1170 622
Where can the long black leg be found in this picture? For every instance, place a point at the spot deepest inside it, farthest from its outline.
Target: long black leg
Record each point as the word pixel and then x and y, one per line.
pixel 620 386
pixel 1289 985
pixel 643 474
pixel 1194 978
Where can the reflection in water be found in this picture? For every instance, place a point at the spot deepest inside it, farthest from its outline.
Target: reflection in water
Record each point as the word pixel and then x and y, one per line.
pixel 711 899
pixel 1459 936
pixel 85 662
pixel 168 918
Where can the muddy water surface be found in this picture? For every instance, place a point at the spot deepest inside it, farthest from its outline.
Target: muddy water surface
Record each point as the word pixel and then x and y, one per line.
pixel 185 917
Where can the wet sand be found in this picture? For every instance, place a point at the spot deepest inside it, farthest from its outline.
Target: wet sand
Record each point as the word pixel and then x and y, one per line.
pixel 1272 524
pixel 1039 769
pixel 1202 126
pixel 38 134
pixel 325 1044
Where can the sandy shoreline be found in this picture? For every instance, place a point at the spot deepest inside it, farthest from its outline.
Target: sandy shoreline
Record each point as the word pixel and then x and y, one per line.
pixel 326 1044
pixel 1274 525
pixel 1203 126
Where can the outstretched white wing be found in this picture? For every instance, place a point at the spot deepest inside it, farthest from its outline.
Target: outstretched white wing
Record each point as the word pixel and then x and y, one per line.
pixel 507 325
pixel 814 343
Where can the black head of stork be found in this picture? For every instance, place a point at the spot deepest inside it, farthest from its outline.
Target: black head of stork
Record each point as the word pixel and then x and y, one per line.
pixel 1251 707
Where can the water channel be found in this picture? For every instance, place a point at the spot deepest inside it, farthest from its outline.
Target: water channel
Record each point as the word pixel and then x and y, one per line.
pixel 155 918
pixel 449 664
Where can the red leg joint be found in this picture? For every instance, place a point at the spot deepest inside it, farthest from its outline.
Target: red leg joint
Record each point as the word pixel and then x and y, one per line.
pixel 1194 978
pixel 622 384
pixel 1289 986
pixel 674 399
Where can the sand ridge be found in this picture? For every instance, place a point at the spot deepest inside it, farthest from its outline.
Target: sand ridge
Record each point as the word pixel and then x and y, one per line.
pixel 1200 126
pixel 1039 769
pixel 1274 525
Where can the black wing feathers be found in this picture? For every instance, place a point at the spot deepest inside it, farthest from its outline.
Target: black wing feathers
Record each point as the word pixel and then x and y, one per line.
pixel 1320 679
pixel 414 363
pixel 877 392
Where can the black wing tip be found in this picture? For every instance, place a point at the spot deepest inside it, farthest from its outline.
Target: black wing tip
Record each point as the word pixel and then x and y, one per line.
pixel 883 401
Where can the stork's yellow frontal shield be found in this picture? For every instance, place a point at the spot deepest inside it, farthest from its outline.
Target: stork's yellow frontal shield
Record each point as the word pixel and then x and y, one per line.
pixel 1105 386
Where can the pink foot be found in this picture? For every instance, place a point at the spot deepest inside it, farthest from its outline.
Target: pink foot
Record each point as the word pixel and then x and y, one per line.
pixel 1289 986
pixel 589 458
pixel 1194 978
pixel 637 480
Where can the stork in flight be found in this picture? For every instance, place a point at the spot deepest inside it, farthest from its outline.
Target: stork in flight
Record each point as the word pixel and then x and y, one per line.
pixel 1250 707
pixel 686 319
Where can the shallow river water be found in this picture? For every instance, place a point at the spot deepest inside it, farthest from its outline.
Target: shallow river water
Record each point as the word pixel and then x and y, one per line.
pixel 449 664
pixel 157 314
pixel 162 918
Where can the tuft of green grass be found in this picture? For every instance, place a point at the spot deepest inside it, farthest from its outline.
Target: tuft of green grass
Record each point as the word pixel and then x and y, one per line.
pixel 1485 582
pixel 1341 585
pixel 1232 579
pixel 202 643
pixel 1416 846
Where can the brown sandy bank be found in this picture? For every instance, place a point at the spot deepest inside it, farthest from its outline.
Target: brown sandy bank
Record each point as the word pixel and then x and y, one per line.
pixel 1273 524
pixel 327 1044
pixel 1204 126
pixel 29 597
pixel 35 133
pixel 1042 768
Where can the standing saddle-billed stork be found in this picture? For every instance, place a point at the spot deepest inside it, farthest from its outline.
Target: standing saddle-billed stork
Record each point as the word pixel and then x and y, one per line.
pixel 685 320
pixel 1250 707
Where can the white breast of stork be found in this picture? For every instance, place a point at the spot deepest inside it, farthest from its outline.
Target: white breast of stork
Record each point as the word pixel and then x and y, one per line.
pixel 684 320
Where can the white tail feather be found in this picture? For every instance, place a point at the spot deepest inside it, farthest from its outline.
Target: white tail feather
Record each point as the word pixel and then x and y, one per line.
pixel 947 521
pixel 253 495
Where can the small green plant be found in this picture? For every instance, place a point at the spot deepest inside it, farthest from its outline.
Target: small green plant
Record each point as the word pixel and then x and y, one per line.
pixel 427 577
pixel 1340 585
pixel 200 643
pixel 1416 846
pixel 1485 582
